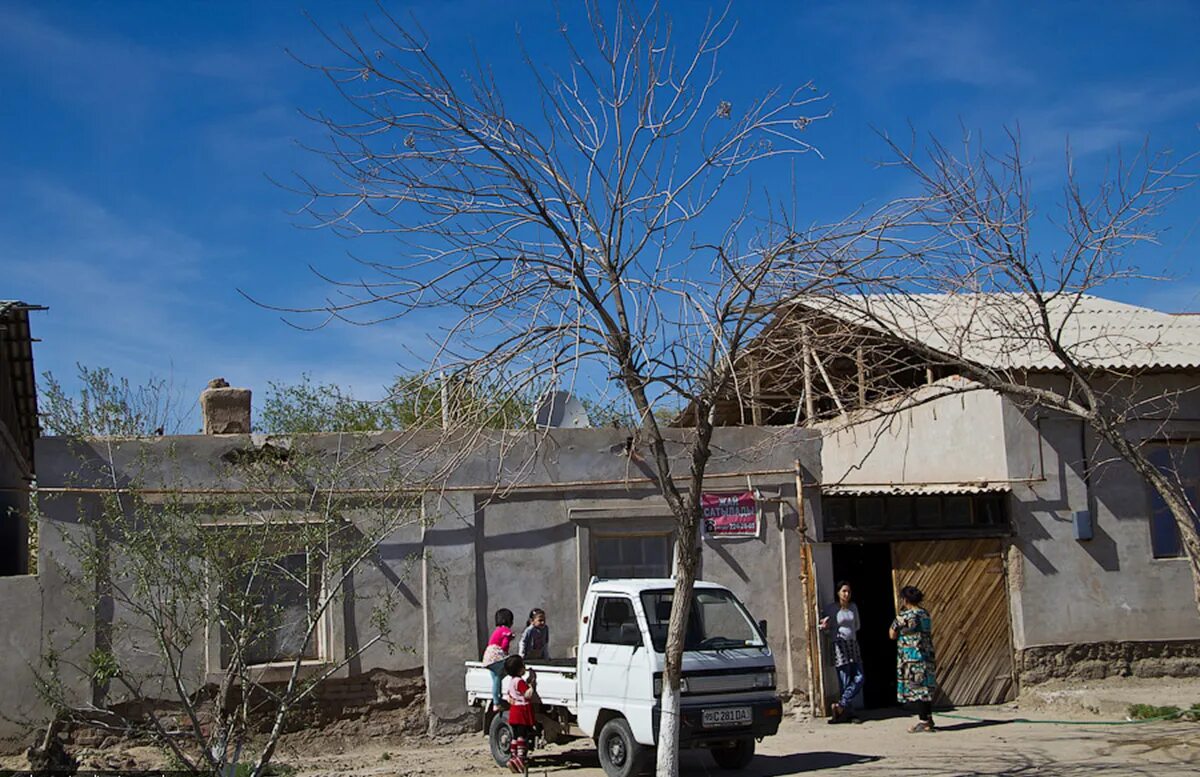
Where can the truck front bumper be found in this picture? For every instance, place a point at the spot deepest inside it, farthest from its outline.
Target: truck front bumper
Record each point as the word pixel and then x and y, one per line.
pixel 766 717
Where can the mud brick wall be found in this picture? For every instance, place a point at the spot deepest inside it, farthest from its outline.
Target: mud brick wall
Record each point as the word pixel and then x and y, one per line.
pixel 377 703
pixel 1097 660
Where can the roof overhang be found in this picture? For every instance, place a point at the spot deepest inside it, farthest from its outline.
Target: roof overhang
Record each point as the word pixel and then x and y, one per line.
pixel 914 489
pixel 20 412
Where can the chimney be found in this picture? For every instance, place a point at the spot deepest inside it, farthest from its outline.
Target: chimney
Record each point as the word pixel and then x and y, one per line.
pixel 226 410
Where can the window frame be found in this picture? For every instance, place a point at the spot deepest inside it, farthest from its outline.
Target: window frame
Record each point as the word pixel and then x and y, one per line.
pixel 595 619
pixel 901 513
pixel 597 536
pixel 1155 502
pixel 329 634
pixel 320 639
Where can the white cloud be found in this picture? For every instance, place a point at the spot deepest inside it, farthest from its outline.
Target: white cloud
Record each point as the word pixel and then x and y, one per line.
pixel 961 48
pixel 907 42
pixel 1099 118
pixel 116 79
pixel 144 299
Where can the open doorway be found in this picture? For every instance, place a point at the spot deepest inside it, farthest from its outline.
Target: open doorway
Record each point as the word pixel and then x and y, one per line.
pixel 868 569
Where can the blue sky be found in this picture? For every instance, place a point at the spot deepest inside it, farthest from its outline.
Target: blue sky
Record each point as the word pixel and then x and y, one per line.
pixel 137 140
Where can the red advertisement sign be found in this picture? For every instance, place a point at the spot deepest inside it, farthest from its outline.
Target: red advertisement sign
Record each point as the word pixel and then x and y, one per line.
pixel 730 515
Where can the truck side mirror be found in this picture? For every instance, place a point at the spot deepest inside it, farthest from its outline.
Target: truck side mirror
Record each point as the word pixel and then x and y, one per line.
pixel 631 635
pixel 762 626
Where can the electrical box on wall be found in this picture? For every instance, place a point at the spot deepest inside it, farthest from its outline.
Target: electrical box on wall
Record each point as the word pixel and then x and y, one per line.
pixel 1083 525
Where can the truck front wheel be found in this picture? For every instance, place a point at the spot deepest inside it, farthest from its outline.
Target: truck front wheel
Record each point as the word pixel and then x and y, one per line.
pixel 620 753
pixel 499 738
pixel 735 756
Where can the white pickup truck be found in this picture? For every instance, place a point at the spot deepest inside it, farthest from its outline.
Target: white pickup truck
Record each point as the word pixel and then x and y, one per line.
pixel 610 691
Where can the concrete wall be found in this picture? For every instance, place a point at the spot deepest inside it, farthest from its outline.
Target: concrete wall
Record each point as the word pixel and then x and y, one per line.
pixel 1109 588
pixel 39 617
pixel 21 595
pixel 1062 591
pixel 941 438
pixel 473 547
pixel 14 509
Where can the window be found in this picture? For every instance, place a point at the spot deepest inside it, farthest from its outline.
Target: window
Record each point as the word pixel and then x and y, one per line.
pixel 646 555
pixel 839 513
pixel 717 621
pixel 1182 461
pixel 869 513
pixel 900 512
pixel 929 512
pixel 901 516
pixel 957 511
pixel 988 510
pixel 267 609
pixel 614 622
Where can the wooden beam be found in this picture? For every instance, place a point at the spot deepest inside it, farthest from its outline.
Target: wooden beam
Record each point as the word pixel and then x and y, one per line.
pixel 862 376
pixel 809 405
pixel 828 384
pixel 755 404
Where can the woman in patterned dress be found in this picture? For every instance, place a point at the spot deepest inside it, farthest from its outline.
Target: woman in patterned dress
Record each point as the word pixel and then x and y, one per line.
pixel 915 680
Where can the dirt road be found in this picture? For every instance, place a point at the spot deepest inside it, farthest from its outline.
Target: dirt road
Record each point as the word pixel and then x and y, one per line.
pixel 997 745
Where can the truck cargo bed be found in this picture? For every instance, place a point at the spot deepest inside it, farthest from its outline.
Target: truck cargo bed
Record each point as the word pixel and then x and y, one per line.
pixel 555 682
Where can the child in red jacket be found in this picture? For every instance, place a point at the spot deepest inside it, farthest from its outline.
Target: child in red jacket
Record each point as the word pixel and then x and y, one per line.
pixel 518 692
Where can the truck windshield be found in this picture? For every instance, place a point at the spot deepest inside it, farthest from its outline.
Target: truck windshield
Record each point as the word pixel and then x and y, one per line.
pixel 718 621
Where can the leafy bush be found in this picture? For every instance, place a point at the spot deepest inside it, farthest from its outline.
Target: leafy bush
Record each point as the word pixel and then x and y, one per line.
pixel 1171 712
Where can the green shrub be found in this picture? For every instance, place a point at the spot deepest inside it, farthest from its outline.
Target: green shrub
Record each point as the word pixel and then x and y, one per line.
pixel 1152 712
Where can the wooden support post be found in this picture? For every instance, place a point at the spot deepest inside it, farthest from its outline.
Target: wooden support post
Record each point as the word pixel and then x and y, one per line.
pixel 755 394
pixel 862 376
pixel 809 404
pixel 828 384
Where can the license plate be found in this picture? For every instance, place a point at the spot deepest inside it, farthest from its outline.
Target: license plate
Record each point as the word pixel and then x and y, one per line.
pixel 727 716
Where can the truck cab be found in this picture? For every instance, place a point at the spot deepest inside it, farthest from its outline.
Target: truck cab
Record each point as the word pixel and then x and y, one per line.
pixel 611 692
pixel 727 692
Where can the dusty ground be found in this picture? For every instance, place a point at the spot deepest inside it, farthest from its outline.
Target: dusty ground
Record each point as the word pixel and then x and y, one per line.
pixel 996 742
pixel 995 746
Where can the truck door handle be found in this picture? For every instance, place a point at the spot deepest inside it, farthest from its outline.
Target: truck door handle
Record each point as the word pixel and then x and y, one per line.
pixel 591 659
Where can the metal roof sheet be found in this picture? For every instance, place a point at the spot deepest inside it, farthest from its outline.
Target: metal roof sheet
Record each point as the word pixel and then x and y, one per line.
pixel 18 410
pixel 914 489
pixel 1004 330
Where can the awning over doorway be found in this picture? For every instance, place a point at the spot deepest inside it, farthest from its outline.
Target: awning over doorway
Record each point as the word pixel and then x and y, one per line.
pixel 913 489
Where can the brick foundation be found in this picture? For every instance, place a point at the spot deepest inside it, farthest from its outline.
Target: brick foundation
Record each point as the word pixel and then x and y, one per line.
pixel 1097 660
pixel 378 703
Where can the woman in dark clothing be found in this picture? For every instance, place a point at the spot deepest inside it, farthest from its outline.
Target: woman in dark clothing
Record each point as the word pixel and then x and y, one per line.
pixel 842 619
pixel 915 682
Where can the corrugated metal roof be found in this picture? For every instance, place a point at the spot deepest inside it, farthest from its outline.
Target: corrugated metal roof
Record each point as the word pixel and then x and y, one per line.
pixel 914 489
pixel 18 397
pixel 1004 330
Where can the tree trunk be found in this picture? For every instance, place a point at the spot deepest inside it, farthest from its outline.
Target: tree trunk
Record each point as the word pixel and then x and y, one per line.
pixel 668 731
pixel 687 557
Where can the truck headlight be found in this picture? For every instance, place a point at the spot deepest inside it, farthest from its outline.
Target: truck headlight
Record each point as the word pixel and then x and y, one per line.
pixel 658 686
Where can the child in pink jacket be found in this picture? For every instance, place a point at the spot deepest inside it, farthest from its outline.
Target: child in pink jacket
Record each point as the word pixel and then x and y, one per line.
pixel 497 650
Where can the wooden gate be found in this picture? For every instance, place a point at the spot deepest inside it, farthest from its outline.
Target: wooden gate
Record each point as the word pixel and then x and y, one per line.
pixel 967 598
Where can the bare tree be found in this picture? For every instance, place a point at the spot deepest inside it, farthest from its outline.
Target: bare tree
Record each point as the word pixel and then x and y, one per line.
pixel 227 586
pixel 999 295
pixel 598 236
